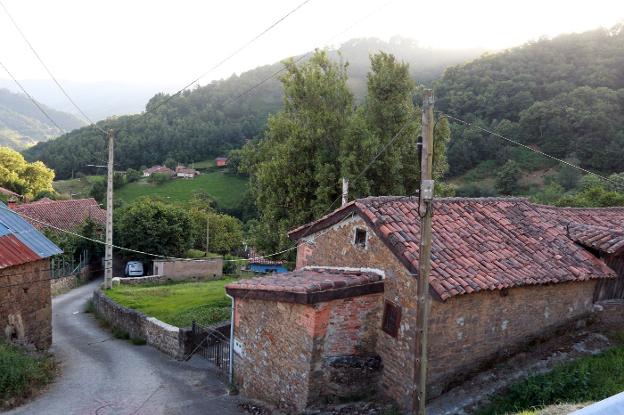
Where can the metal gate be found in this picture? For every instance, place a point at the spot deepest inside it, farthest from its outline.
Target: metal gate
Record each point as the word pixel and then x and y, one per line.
pixel 212 345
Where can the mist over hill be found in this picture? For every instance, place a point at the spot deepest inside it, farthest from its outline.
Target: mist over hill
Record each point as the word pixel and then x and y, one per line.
pixel 22 124
pixel 210 120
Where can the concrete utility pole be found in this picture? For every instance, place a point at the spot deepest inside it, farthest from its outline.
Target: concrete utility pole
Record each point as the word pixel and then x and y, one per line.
pixel 345 191
pixel 424 260
pixel 108 257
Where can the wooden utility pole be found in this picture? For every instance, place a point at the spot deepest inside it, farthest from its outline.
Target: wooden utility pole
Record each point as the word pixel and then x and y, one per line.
pixel 345 191
pixel 424 260
pixel 108 257
pixel 207 235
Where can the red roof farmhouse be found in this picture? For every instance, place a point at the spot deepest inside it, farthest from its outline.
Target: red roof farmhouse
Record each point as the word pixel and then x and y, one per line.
pixel 504 271
pixel 158 170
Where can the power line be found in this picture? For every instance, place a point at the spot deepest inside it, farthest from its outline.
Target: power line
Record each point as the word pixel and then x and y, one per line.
pixel 305 55
pixel 495 134
pixel 230 56
pixel 58 84
pixel 31 98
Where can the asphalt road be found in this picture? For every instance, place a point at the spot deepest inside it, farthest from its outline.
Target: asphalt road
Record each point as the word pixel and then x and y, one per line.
pixel 102 375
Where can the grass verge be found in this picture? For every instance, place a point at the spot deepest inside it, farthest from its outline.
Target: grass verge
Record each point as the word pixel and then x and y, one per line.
pixel 588 379
pixel 177 303
pixel 22 374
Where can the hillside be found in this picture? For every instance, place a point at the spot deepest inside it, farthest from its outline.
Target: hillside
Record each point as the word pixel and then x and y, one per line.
pixel 23 125
pixel 209 121
pixel 564 96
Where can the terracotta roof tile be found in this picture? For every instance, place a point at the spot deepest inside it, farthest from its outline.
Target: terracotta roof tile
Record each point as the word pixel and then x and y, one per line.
pixel 490 243
pixel 64 214
pixel 308 285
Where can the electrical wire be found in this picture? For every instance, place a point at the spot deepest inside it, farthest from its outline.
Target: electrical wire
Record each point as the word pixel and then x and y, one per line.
pixel 230 56
pixel 541 153
pixel 18 83
pixel 305 55
pixel 58 84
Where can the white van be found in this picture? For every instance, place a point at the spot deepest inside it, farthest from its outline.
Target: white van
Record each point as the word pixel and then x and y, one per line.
pixel 133 269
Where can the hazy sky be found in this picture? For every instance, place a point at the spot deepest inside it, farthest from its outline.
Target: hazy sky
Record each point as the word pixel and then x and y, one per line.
pixel 173 42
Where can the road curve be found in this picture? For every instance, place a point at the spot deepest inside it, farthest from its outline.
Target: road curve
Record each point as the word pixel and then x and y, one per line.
pixel 101 375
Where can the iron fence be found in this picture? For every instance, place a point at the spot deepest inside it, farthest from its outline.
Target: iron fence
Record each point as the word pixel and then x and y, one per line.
pixel 212 345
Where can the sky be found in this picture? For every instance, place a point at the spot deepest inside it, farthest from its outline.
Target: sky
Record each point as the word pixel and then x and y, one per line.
pixel 173 43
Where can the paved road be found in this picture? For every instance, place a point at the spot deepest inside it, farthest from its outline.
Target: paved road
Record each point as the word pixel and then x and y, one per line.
pixel 103 376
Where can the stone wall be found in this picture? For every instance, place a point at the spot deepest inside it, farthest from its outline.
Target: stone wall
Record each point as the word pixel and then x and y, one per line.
pixel 336 247
pixel 298 355
pixel 466 332
pixel 25 304
pixel 63 284
pixel 169 339
pixel 200 269
pixel 470 331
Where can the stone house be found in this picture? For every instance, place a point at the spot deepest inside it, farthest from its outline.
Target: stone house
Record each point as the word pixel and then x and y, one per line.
pixel 25 300
pixel 186 172
pixel 504 271
pixel 158 170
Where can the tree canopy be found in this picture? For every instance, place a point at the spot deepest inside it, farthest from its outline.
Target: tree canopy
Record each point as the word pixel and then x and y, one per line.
pixel 321 136
pixel 25 178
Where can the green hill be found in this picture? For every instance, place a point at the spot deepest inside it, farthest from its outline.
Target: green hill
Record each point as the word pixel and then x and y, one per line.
pixel 227 190
pixel 22 124
pixel 208 121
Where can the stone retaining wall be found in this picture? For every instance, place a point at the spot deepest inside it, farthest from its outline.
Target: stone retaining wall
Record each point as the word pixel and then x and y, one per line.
pixel 174 341
pixel 63 284
pixel 148 279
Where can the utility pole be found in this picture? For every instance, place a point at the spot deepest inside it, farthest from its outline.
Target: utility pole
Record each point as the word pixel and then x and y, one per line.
pixel 207 235
pixel 424 260
pixel 345 191
pixel 108 258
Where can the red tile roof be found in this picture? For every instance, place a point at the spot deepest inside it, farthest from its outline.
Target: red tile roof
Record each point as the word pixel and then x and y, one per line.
pixel 483 244
pixel 603 239
pixel 64 214
pixel 307 286
pixel 8 192
pixel 158 169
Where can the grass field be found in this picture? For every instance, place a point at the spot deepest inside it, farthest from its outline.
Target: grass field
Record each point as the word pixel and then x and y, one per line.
pixel 589 379
pixel 177 303
pixel 79 187
pixel 22 374
pixel 226 189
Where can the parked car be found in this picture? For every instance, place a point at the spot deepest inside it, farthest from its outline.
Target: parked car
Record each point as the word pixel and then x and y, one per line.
pixel 133 269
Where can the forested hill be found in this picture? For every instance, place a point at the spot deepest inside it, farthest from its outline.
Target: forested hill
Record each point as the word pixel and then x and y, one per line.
pixel 22 124
pixel 210 120
pixel 564 96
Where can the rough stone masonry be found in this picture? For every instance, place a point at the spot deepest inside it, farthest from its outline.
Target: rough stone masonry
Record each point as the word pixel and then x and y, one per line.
pixel 25 304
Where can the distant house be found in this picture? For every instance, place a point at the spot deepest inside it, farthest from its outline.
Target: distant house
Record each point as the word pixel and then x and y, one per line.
pixel 8 193
pixel 504 271
pixel 221 161
pixel 158 169
pixel 64 214
pixel 186 172
pixel 25 305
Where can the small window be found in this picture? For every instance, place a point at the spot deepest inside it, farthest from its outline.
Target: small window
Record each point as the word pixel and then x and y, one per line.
pixel 360 237
pixel 391 318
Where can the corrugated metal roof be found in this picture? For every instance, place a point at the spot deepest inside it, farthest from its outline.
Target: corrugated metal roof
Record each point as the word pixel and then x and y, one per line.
pixel 14 252
pixel 12 224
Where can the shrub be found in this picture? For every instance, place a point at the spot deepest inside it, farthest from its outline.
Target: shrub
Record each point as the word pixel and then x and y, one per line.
pixel 21 373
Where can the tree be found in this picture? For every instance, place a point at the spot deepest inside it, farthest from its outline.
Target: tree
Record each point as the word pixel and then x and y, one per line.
pixel 153 226
pixel 226 232
pixel 507 178
pixel 171 163
pixel 22 177
pixel 98 191
pixel 297 173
